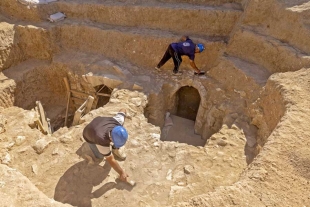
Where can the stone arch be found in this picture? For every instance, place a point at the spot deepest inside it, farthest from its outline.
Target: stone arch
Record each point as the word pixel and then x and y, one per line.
pixel 203 95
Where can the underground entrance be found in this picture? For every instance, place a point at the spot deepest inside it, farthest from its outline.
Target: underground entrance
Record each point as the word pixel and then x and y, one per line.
pixel 180 123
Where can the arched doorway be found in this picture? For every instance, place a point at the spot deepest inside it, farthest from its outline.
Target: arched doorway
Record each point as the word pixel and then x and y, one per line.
pixel 188 100
pixel 180 123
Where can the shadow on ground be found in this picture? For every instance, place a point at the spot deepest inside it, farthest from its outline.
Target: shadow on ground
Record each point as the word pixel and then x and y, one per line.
pixel 75 187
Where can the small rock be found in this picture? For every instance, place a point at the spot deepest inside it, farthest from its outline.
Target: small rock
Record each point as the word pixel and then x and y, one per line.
pixel 2 129
pixel 66 139
pixel 6 159
pixel 155 136
pixel 136 101
pixel 19 140
pixel 156 144
pixel 220 153
pixel 10 145
pixel 169 175
pixel 222 143
pixel 134 143
pixel 181 184
pixel 34 169
pixel 40 145
pixel 2 184
pixel 188 169
pixel 55 151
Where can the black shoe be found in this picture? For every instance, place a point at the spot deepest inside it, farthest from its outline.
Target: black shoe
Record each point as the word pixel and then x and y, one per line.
pixel 200 73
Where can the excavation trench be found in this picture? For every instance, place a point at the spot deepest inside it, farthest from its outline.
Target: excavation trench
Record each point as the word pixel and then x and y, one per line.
pixel 208 131
pixel 191 126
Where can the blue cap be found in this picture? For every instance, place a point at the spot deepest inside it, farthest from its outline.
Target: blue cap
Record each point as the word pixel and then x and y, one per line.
pixel 119 136
pixel 201 47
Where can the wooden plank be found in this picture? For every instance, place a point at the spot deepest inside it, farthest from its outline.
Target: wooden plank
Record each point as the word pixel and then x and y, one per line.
pixel 89 104
pixel 82 110
pixel 101 88
pixel 39 124
pixel 42 116
pixel 67 84
pixel 68 99
pixel 50 131
pixel 103 94
pixel 77 117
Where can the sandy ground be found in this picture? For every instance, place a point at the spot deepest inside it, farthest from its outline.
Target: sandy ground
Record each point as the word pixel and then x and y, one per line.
pixel 254 106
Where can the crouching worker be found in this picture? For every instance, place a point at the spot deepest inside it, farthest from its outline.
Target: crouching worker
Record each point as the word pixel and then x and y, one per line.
pixel 104 133
pixel 177 49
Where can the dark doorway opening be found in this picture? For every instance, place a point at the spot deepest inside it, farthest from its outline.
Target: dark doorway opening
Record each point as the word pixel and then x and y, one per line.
pixel 188 100
pixel 179 126
pixel 104 94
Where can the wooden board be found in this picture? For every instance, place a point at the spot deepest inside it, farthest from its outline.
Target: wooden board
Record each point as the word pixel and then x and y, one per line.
pixel 42 116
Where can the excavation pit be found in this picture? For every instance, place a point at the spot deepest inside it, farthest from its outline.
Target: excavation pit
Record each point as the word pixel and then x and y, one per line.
pixel 193 140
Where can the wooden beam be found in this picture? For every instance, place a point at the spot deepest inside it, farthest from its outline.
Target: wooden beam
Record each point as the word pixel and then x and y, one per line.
pixel 68 99
pixel 39 124
pixel 101 88
pixel 42 116
pixel 67 84
pixel 82 110
pixel 103 94
pixel 89 104
pixel 50 131
pixel 77 116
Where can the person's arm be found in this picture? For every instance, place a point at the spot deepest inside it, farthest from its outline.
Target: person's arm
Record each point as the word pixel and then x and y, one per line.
pixel 192 63
pixel 120 116
pixel 114 164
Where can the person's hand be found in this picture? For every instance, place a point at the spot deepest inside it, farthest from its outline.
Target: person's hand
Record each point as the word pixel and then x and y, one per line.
pixel 123 110
pixel 123 177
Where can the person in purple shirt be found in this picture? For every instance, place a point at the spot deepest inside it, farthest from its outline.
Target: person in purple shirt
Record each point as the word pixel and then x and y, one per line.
pixel 176 50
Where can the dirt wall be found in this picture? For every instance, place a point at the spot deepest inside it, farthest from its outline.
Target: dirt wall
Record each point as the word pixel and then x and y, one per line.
pixel 280 21
pixel 19 43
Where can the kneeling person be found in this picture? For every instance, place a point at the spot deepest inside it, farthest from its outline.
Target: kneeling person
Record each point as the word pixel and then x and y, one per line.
pixel 101 133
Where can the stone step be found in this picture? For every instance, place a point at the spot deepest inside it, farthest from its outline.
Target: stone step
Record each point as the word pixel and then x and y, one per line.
pixel 186 18
pixel 269 52
pixel 207 2
pixel 240 76
pixel 142 47
pixel 273 17
pixel 182 18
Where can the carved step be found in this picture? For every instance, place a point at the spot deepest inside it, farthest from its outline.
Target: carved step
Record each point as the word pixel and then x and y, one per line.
pixel 269 52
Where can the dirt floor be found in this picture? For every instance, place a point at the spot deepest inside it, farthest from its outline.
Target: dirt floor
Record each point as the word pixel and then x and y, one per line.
pixel 247 143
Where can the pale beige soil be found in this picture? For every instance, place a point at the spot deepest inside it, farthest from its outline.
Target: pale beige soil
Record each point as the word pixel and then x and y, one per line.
pixel 249 143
